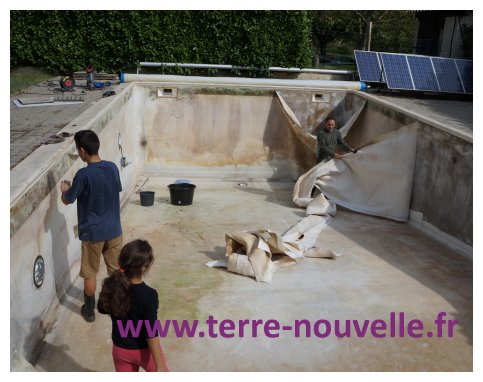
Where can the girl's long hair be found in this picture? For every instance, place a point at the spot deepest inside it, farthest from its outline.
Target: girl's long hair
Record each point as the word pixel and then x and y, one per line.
pixel 116 289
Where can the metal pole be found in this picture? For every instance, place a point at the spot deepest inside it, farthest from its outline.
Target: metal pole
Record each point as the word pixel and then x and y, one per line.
pixel 229 67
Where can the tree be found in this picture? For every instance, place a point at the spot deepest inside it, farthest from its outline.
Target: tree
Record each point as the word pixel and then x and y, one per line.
pixel 395 37
pixel 467 36
pixel 364 19
pixel 326 27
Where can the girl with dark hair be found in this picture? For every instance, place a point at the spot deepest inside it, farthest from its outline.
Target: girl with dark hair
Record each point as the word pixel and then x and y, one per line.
pixel 125 297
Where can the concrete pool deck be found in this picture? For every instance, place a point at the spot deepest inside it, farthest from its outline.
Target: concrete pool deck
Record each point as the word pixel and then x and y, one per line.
pixel 456 114
pixel 30 125
pixel 385 267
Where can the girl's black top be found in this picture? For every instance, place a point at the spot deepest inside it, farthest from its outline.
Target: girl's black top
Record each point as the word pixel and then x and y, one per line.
pixel 144 306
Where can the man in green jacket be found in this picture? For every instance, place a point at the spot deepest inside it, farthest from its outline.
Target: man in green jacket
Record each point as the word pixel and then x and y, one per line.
pixel 327 141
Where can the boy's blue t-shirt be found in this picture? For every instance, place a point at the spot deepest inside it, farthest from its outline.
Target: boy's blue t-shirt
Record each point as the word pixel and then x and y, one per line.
pixel 96 188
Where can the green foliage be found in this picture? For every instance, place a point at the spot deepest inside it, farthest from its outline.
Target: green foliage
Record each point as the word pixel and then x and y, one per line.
pixel 110 40
pixel 396 36
pixel 327 26
pixel 344 31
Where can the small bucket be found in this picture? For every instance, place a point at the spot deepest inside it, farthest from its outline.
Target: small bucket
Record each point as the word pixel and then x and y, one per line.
pixel 147 198
pixel 181 194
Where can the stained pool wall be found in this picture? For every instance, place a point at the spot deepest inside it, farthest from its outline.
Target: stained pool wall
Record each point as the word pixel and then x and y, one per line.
pixel 51 228
pixel 224 133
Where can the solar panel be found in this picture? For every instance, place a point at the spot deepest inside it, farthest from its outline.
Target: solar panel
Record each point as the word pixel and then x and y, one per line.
pixel 465 69
pixel 368 66
pixel 423 74
pixel 447 75
pixel 397 71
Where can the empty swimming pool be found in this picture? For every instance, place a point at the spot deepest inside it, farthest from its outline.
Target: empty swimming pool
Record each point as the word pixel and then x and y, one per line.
pixel 219 135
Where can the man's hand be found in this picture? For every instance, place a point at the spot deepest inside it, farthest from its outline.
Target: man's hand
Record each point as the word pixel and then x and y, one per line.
pixel 338 156
pixel 64 186
pixel 352 150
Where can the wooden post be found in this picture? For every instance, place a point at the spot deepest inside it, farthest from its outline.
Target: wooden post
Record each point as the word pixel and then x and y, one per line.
pixel 369 38
pixel 315 61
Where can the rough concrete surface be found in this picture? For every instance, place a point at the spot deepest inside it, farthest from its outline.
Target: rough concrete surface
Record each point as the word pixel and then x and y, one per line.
pixel 30 125
pixel 443 183
pixel 385 267
pixel 457 114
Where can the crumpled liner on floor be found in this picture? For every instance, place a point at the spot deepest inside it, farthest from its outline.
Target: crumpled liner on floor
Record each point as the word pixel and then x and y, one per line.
pixel 259 253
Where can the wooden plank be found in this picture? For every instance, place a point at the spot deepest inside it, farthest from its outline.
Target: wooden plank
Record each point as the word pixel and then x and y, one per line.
pixel 31 101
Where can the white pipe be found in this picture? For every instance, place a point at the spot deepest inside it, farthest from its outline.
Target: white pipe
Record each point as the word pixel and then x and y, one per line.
pixel 230 67
pixel 241 82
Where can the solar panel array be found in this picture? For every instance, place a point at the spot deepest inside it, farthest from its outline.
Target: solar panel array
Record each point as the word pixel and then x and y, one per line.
pixel 412 72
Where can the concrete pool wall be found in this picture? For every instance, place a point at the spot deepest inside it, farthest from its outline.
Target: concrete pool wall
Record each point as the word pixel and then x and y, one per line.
pixel 211 133
pixel 223 134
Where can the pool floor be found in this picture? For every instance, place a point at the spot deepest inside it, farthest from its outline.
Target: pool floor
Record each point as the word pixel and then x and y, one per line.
pixel 385 267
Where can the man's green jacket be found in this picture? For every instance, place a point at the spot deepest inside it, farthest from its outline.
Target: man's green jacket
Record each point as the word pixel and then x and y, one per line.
pixel 327 143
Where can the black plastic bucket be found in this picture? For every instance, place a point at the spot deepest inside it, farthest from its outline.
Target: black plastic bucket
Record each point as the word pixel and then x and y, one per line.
pixel 181 193
pixel 147 198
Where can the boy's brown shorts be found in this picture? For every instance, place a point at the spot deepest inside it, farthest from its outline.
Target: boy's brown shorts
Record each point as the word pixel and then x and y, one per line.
pixel 91 256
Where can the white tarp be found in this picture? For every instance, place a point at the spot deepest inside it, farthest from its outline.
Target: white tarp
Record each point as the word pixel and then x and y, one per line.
pixel 308 139
pixel 377 180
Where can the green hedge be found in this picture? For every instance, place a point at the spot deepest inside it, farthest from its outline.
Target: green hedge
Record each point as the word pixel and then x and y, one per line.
pixel 110 40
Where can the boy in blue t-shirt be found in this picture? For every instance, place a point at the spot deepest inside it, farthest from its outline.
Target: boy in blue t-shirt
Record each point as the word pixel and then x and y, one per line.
pixel 96 189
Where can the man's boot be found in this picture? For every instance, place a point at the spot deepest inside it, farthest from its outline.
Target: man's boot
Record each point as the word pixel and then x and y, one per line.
pixel 87 309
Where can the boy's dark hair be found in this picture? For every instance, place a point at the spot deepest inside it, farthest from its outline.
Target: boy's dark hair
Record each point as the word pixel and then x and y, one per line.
pixel 114 296
pixel 329 119
pixel 88 140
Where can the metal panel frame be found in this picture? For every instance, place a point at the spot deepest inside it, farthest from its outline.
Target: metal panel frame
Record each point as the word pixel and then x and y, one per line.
pixel 381 65
pixel 410 75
